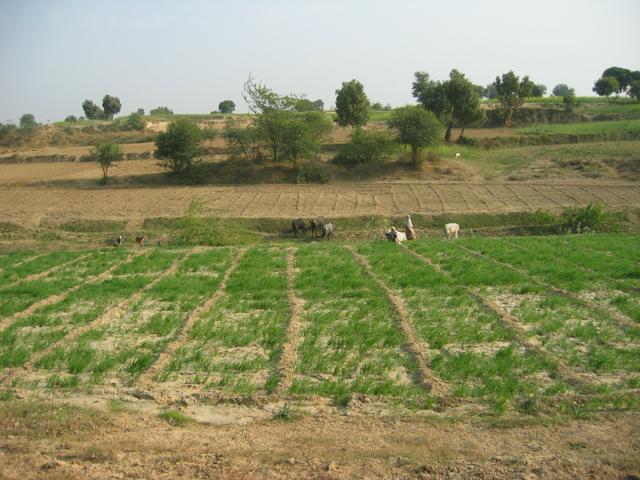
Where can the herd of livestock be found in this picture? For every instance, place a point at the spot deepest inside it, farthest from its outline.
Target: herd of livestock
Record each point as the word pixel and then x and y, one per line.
pixel 323 229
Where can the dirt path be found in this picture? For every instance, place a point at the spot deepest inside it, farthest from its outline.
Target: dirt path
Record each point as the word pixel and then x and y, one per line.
pixel 30 206
pixel 96 445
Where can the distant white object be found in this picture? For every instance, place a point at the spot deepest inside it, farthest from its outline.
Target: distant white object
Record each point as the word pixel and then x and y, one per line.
pixel 407 222
pixel 451 230
pixel 457 155
pixel 394 235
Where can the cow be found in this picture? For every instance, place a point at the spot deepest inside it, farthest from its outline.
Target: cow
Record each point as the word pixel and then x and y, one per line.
pixel 297 226
pixel 327 231
pixel 451 230
pixel 316 225
pixel 140 240
pixel 394 235
pixel 408 228
pixel 118 241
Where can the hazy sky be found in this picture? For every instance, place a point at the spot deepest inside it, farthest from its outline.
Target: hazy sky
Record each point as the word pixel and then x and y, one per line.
pixel 190 55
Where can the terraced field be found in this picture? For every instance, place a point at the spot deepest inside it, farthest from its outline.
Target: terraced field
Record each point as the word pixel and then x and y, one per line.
pixel 519 326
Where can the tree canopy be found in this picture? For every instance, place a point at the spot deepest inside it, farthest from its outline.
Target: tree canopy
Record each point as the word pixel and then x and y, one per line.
pixel 106 154
pixel 227 106
pixel 352 105
pixel 415 127
pixel 561 90
pixel 91 110
pixel 178 146
pixel 606 86
pixel 111 106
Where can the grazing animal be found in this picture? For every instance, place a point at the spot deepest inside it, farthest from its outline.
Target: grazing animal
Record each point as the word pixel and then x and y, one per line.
pixel 327 231
pixel 408 228
pixel 140 240
pixel 452 230
pixel 118 241
pixel 457 156
pixel 297 226
pixel 316 225
pixel 394 235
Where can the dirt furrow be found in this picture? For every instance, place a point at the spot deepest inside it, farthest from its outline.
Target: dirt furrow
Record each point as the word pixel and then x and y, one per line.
pixel 514 324
pixel 518 196
pixel 148 377
pixel 622 320
pixel 38 276
pixel 107 274
pixel 439 196
pixel 294 337
pixel 110 315
pixel 415 347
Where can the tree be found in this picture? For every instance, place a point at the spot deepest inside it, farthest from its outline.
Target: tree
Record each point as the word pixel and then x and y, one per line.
pixel 227 106
pixel 605 86
pixel 161 111
pixel 560 90
pixel 622 75
pixel 71 119
pixel 509 94
pixel 490 91
pixel 569 100
pixel 366 147
pixel 454 100
pixel 178 146
pixel 526 87
pixel 243 141
pixel 415 127
pixel 306 105
pixel 91 110
pixel 377 106
pixel 135 121
pixel 634 89
pixel 111 106
pixel 28 123
pixel 140 111
pixel 539 90
pixel 352 105
pixel 106 154
pixel 262 99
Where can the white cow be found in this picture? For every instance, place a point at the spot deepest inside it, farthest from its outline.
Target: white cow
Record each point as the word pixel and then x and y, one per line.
pixel 394 235
pixel 452 230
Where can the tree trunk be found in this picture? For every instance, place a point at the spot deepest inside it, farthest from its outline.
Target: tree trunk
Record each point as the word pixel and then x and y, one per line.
pixel 461 133
pixel 414 155
pixel 447 135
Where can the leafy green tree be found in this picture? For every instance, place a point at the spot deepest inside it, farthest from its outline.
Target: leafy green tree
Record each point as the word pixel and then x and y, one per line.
pixel 366 147
pixel 306 105
pixel 539 90
pixel 415 127
pixel 622 75
pixel 245 142
pixel 135 121
pixel 526 87
pixel 161 111
pixel 262 99
pixel 352 105
pixel 490 91
pixel 606 86
pixel 178 147
pixel 106 154
pixel 140 111
pixel 28 123
pixel 509 94
pixel 560 90
pixel 227 106
pixel 377 106
pixel 454 100
pixel 569 100
pixel 91 110
pixel 71 119
pixel 110 105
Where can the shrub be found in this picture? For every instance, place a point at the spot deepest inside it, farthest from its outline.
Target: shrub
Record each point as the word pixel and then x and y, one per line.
pixel 366 147
pixel 592 218
pixel 71 119
pixel 312 173
pixel 135 121
pixel 106 154
pixel 178 147
pixel 161 111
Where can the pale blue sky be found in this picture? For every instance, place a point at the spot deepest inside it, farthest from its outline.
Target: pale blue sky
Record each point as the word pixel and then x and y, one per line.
pixel 190 55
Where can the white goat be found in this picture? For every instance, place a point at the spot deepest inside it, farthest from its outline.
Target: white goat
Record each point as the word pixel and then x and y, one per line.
pixel 394 235
pixel 452 230
pixel 408 228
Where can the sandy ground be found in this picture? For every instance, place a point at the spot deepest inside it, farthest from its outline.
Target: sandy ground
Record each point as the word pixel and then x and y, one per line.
pixel 320 445
pixel 30 204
